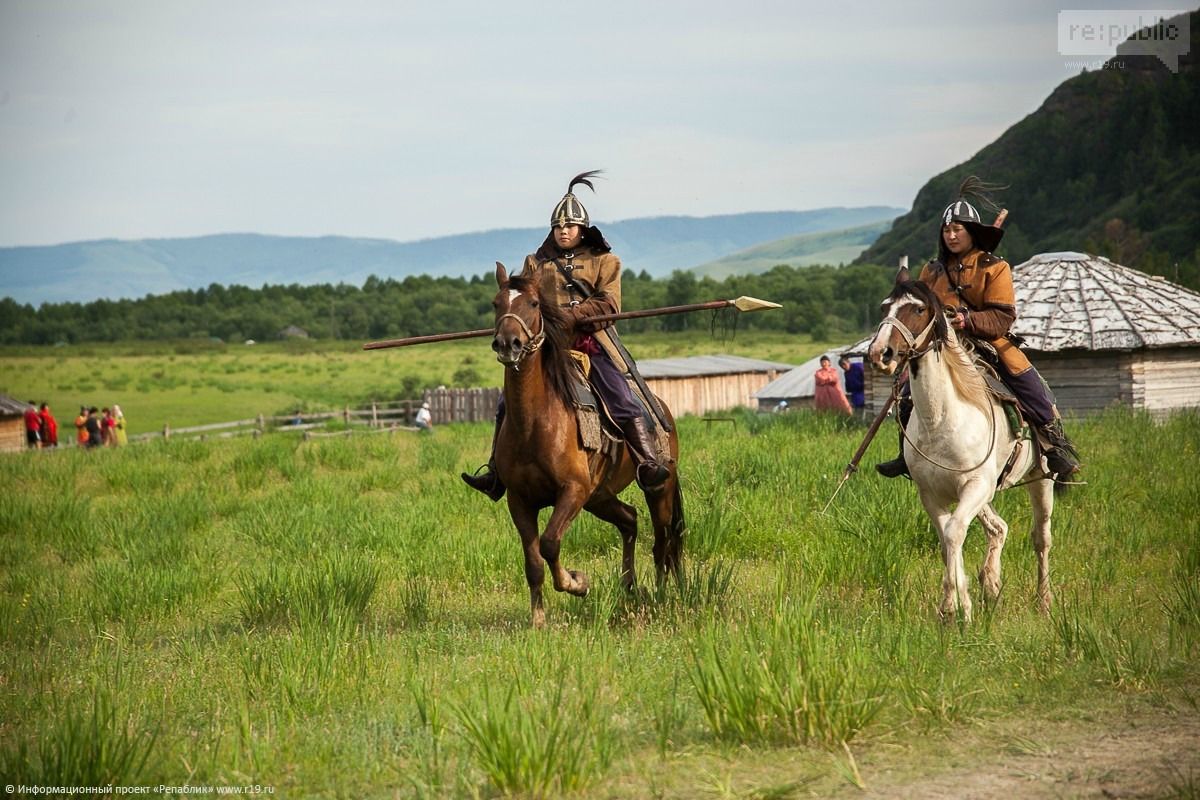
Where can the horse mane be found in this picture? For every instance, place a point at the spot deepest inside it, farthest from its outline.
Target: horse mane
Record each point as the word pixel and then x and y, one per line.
pixel 965 378
pixel 557 362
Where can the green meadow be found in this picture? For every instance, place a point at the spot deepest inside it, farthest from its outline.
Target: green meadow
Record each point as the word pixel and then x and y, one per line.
pixel 195 382
pixel 343 618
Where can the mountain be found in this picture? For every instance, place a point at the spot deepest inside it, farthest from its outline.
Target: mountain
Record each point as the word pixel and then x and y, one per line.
pixel 828 247
pixel 1110 163
pixel 84 271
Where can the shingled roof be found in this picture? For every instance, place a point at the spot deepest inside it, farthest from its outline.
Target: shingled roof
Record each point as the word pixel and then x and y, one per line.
pixel 1078 301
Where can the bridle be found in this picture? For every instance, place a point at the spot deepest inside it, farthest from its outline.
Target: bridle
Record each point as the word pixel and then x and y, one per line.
pixel 534 340
pixel 918 346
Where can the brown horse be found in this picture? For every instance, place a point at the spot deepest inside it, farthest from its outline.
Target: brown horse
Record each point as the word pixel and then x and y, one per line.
pixel 539 457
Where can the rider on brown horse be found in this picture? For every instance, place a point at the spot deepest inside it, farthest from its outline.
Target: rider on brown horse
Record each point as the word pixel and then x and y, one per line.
pixel 966 277
pixel 576 248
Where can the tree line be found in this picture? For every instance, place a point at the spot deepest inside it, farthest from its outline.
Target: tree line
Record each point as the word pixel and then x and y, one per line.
pixel 820 300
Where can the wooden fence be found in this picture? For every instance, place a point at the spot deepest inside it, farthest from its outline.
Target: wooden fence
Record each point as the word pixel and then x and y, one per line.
pixel 446 406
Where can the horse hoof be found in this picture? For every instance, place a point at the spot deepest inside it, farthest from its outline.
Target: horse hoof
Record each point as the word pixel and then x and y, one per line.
pixel 580 589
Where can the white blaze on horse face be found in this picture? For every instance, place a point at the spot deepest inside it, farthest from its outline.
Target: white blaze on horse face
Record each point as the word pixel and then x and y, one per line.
pixel 513 294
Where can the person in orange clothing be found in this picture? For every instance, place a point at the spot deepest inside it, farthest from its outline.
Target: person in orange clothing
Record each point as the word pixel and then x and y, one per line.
pixel 829 395
pixel 977 286
pixel 81 432
pixel 49 427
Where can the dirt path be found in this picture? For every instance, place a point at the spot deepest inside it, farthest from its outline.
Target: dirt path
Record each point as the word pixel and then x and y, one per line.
pixel 1145 755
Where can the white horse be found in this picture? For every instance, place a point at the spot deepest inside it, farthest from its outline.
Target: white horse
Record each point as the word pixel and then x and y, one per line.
pixel 957 443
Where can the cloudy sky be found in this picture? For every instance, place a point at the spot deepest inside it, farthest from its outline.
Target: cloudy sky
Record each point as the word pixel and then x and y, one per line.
pixel 406 120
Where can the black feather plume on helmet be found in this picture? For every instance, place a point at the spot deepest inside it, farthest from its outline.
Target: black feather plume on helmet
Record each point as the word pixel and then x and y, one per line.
pixel 583 178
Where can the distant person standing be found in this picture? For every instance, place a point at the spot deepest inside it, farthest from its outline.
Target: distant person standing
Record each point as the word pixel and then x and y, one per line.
pixel 122 438
pixel 95 432
pixel 107 423
pixel 855 384
pixel 33 426
pixel 424 419
pixel 49 427
pixel 81 433
pixel 829 395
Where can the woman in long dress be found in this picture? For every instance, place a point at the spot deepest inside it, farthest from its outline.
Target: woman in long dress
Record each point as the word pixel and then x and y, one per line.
pixel 829 395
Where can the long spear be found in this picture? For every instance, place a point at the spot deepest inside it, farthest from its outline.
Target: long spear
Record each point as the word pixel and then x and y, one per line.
pixel 741 304
pixel 852 467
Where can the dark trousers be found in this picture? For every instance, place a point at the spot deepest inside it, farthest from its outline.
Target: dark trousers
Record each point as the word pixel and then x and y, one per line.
pixel 1032 393
pixel 610 384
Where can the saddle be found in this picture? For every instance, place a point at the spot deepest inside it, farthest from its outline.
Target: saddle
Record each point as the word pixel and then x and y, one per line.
pixel 598 431
pixel 984 356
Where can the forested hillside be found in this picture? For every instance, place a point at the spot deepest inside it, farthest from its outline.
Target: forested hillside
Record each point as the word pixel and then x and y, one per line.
pixel 1109 164
pixel 820 300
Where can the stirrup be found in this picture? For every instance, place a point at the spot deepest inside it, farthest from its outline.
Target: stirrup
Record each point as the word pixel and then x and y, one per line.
pixel 488 482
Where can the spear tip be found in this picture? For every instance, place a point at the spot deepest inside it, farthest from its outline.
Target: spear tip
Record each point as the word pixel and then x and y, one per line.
pixel 745 303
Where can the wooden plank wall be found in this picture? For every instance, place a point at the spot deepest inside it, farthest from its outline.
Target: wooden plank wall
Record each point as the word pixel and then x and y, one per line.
pixel 12 434
pixel 704 394
pixel 1088 382
pixel 1170 379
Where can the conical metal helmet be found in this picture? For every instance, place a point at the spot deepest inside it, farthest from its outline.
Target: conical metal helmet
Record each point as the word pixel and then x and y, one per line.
pixel 569 210
pixel 961 211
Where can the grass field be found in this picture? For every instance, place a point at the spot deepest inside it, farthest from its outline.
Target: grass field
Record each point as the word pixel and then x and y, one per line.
pixel 345 619
pixel 198 382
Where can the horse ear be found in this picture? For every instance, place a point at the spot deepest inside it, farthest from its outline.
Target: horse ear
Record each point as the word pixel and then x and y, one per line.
pixel 902 275
pixel 501 275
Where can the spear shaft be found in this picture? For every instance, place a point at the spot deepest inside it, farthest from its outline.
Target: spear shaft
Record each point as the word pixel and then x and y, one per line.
pixel 741 304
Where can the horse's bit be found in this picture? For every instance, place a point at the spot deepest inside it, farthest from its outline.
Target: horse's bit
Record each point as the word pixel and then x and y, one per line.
pixel 532 346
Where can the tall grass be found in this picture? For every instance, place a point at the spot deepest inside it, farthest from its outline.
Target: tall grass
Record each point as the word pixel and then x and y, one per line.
pixel 541 738
pixel 344 618
pixel 781 680
pixel 333 591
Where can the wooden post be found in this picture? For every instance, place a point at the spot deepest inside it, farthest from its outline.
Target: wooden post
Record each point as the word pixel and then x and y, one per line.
pixel 166 430
pixel 259 423
pixel 374 415
pixel 346 415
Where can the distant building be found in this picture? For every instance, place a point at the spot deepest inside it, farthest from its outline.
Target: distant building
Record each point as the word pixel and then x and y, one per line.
pixel 12 424
pixel 703 384
pixel 1100 334
pixel 293 332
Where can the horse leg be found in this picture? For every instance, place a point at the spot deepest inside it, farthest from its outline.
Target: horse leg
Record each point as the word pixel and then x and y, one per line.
pixel 1041 494
pixel 569 503
pixel 666 514
pixel 525 518
pixel 997 531
pixel 608 507
pixel 940 515
pixel 971 501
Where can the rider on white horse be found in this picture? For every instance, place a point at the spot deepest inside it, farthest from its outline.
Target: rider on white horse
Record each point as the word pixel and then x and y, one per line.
pixel 967 277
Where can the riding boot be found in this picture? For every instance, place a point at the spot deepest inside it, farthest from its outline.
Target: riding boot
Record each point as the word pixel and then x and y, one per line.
pixel 650 473
pixel 1061 456
pixel 897 466
pixel 488 481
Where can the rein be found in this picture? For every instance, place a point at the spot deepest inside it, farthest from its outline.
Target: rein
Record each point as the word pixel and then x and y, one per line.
pixel 535 340
pixel 918 347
